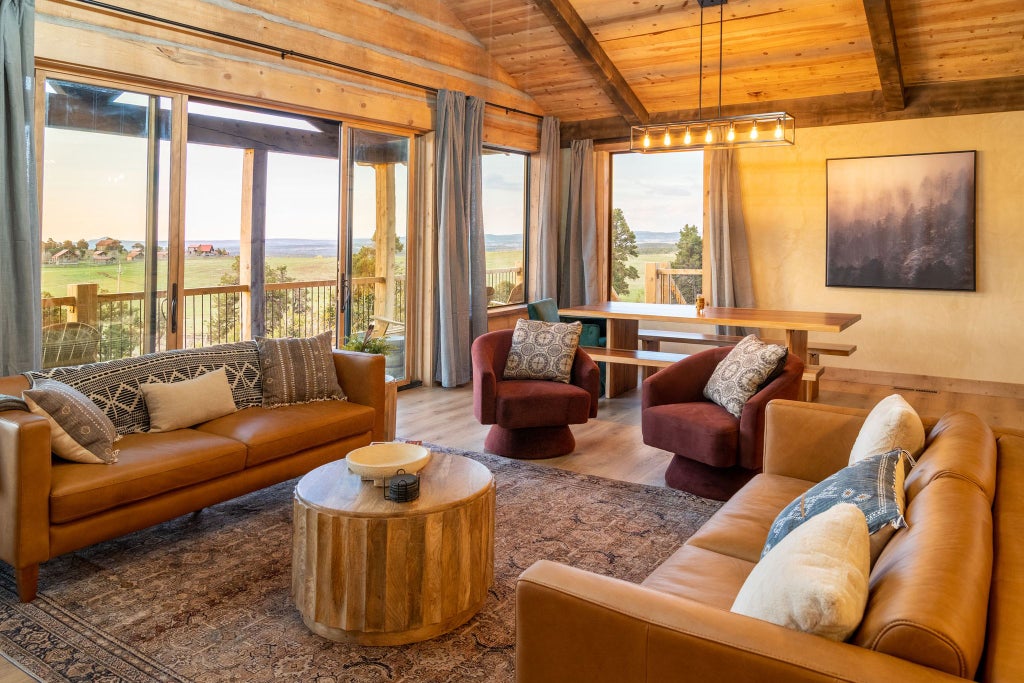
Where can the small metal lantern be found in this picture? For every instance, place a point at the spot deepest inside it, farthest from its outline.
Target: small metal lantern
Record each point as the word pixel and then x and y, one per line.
pixel 402 488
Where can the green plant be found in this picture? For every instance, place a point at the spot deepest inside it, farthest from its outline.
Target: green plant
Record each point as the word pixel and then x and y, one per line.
pixel 378 345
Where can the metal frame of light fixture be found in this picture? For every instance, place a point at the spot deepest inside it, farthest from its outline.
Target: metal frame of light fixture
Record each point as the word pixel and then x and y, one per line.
pixel 757 130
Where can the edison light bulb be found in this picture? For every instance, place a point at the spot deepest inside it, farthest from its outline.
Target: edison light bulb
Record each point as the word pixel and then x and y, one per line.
pixel 731 135
pixel 686 137
pixel 778 129
pixel 647 140
pixel 667 140
pixel 708 137
pixel 753 131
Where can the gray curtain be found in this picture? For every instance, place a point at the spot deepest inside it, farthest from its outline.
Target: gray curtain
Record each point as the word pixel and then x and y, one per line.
pixel 577 282
pixel 544 245
pixel 461 299
pixel 20 249
pixel 731 278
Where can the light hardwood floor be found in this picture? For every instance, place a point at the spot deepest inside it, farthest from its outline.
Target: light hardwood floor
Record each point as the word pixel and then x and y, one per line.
pixel 611 445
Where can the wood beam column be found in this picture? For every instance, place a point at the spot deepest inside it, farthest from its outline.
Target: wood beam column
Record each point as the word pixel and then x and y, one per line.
pixel 384 241
pixel 887 54
pixel 584 45
pixel 252 253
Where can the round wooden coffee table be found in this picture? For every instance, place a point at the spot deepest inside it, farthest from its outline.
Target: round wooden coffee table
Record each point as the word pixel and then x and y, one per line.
pixel 376 572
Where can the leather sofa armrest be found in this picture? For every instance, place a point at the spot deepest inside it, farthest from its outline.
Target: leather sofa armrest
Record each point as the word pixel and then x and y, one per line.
pixel 361 376
pixel 573 625
pixel 25 462
pixel 809 440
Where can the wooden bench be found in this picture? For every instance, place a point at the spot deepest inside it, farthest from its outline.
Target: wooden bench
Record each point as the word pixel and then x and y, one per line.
pixel 654 359
pixel 650 341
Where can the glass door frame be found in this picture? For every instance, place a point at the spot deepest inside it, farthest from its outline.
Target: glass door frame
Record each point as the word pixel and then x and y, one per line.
pixel 412 268
pixel 176 199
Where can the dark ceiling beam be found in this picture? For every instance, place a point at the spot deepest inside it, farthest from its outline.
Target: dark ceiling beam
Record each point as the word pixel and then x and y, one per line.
pixel 584 45
pixel 922 101
pixel 887 53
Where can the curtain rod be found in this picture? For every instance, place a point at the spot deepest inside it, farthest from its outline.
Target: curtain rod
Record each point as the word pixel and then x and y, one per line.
pixel 284 52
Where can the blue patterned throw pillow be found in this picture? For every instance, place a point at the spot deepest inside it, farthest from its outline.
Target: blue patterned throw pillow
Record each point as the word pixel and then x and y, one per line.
pixel 874 484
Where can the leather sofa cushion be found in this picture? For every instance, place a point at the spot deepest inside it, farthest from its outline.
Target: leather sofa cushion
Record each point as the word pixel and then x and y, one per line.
pixel 929 589
pixel 702 431
pixel 271 433
pixel 539 403
pixel 701 575
pixel 1005 642
pixel 959 445
pixel 740 528
pixel 148 465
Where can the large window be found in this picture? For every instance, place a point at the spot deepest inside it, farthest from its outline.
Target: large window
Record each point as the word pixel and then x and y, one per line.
pixel 106 170
pixel 657 226
pixel 504 208
pixel 171 221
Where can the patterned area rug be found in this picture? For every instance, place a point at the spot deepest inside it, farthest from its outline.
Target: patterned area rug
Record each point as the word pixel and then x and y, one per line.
pixel 206 597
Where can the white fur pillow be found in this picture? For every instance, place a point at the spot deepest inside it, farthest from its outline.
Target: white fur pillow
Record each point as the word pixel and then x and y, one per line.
pixel 175 405
pixel 892 424
pixel 816 579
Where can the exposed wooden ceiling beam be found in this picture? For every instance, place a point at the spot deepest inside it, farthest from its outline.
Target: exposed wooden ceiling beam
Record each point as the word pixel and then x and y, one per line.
pixel 923 101
pixel 574 31
pixel 887 53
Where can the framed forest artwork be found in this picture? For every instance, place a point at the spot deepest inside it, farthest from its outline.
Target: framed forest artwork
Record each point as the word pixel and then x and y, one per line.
pixel 902 222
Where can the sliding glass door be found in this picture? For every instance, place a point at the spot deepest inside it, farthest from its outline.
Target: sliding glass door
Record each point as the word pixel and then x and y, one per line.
pixel 104 215
pixel 378 241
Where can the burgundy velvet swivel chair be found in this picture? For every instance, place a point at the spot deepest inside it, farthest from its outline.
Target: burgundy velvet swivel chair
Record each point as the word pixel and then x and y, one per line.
pixel 530 417
pixel 715 453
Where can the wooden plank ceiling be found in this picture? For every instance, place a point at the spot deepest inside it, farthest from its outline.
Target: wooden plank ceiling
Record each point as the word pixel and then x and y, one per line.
pixel 600 65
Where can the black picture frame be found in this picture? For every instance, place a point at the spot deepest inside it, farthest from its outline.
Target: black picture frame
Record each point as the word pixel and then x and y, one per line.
pixel 902 221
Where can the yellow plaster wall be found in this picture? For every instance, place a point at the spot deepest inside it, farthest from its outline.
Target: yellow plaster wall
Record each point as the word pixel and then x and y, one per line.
pixel 965 335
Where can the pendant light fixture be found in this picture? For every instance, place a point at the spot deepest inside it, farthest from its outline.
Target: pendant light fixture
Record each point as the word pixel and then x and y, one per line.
pixel 748 130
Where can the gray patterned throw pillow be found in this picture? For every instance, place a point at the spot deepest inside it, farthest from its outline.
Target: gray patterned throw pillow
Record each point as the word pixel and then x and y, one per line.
pixel 542 350
pixel 739 375
pixel 874 484
pixel 79 430
pixel 298 370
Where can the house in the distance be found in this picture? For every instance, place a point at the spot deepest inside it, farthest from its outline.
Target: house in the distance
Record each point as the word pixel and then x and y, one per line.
pixel 201 250
pixel 134 254
pixel 105 243
pixel 64 256
pixel 99 256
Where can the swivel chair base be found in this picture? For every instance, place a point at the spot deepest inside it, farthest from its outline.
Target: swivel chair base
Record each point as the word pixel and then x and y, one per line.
pixel 530 443
pixel 707 481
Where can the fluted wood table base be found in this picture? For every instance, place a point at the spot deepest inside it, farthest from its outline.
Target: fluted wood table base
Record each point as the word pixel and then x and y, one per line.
pixel 375 572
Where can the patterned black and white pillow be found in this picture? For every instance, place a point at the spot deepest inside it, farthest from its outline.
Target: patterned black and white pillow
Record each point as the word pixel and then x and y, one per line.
pixel 114 385
pixel 79 430
pixel 298 370
pixel 542 350
pixel 742 372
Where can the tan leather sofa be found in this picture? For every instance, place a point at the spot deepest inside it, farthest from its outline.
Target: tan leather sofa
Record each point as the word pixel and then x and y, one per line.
pixel 49 507
pixel 946 595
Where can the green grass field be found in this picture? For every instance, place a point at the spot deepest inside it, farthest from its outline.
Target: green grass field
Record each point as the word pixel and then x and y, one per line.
pixel 207 271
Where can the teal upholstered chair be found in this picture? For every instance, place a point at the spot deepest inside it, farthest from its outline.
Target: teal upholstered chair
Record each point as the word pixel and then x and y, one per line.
pixel 592 334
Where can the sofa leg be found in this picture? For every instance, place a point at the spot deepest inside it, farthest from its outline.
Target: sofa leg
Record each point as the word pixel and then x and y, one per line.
pixel 27 579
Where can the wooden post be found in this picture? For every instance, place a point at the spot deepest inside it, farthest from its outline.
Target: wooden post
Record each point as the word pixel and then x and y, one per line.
pixel 650 283
pixel 251 260
pixel 87 304
pixel 664 295
pixel 384 241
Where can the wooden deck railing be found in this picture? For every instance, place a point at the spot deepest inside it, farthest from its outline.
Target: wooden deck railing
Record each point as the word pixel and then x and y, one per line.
pixel 216 315
pixel 664 285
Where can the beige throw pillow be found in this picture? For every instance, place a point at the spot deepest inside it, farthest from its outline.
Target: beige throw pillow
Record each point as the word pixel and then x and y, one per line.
pixel 79 430
pixel 542 350
pixel 891 425
pixel 816 579
pixel 175 405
